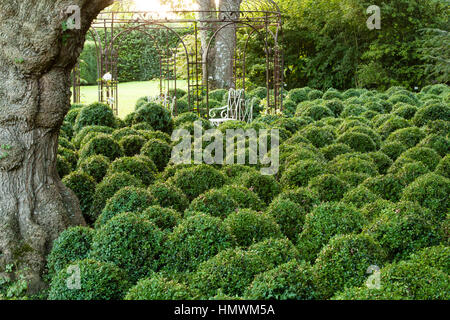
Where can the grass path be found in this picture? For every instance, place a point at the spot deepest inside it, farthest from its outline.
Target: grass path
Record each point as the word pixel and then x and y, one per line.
pixel 129 92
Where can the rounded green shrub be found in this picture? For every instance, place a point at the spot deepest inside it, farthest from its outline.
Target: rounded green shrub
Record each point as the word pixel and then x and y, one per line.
pixel 319 136
pixel 169 196
pixel 140 167
pixel 72 244
pixel 392 124
pixel 443 168
pixel 164 218
pixel 87 130
pixel 194 240
pixel 357 141
pixel 404 110
pixel 437 257
pixel 101 144
pixel 386 186
pixel 430 113
pixel 381 160
pixel 393 149
pixel 127 199
pixel 303 197
pixel 156 116
pixel 96 114
pixel 194 181
pixel 333 150
pixel 158 288
pixel 427 156
pixel 244 197
pixel 403 228
pixel 83 185
pixel 352 162
pixel 63 166
pixel 331 94
pixel 158 151
pixel 70 155
pixel 131 243
pixel 132 144
pixel 410 171
pixel 315 94
pixel 290 281
pixel 123 132
pixel 108 187
pixel 265 186
pixel 214 202
pixel 328 187
pixel 359 196
pixel 315 111
pixel 275 252
pixel 298 95
pixel 344 261
pixel 231 272
pixel 438 143
pixel 430 191
pixel 300 173
pixel 96 166
pixel 325 221
pixel 98 281
pixel 248 226
pixel 289 215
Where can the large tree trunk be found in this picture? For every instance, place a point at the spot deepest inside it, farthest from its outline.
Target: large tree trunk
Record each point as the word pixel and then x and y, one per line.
pixel 207 28
pixel 225 45
pixel 36 57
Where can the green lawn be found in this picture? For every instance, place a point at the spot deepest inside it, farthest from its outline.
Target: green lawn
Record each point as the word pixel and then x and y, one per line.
pixel 129 92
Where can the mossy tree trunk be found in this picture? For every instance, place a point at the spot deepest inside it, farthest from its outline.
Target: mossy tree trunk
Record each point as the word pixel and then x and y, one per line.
pixel 37 54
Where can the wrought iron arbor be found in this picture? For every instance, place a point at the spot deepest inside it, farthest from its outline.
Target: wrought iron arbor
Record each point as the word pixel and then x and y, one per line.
pixel 256 18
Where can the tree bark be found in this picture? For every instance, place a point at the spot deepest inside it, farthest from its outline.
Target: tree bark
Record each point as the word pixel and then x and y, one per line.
pixel 207 28
pixel 225 45
pixel 36 58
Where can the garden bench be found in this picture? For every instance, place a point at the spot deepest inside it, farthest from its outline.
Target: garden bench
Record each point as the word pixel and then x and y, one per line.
pixel 237 108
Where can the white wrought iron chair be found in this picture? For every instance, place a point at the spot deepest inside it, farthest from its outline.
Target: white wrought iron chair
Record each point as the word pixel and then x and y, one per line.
pixel 237 108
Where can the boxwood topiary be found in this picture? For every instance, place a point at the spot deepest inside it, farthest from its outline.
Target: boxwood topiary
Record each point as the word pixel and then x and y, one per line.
pixel 430 191
pixel 164 218
pixel 430 113
pixel 244 197
pixel 230 272
pixel 139 166
pixel 410 171
pixel 156 116
pixel 70 155
pixel 214 202
pixel 386 186
pixel 403 228
pixel 359 196
pixel 315 94
pixel 83 185
pixel 437 257
pixel 194 181
pixel 131 243
pixel 357 141
pixel 443 168
pixel 328 187
pixel 63 166
pixel 96 166
pixel 427 156
pixel 158 151
pixel 127 199
pixel 290 281
pixel 381 160
pixel 392 124
pixel 132 144
pixel 98 281
pixel 325 221
pixel 96 114
pixel 265 186
pixel 108 187
pixel 393 149
pixel 101 144
pixel 438 143
pixel 248 226
pixel 275 251
pixel 352 162
pixel 301 172
pixel 71 245
pixel 196 239
pixel 76 140
pixel 333 150
pixel 303 197
pixel 319 136
pixel 169 196
pixel 344 262
pixel 289 215
pixel 158 288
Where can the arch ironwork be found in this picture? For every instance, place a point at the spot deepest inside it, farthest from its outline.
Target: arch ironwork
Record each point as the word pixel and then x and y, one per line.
pixel 255 18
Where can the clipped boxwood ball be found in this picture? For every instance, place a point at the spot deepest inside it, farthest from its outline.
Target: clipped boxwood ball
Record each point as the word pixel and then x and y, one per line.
pixel 158 151
pixel 319 136
pixel 96 114
pixel 96 166
pixel 132 144
pixel 70 155
pixel 303 197
pixel 325 221
pixel 158 288
pixel 289 216
pixel 436 256
pixel 443 168
pixel 357 141
pixel 244 197
pixel 359 196
pixel 214 202
pixel 431 113
pixel 290 281
pixel 108 187
pixel 403 228
pixel 156 116
pixel 127 199
pixel 438 143
pixel 386 186
pixel 101 144
pixel 404 280
pixel 63 166
pixel 164 218
pixel 265 186
pixel 194 181
pixel 430 191
pixel 83 185
pixel 393 149
pixel 344 262
pixel 87 130
pixel 169 196
pixel 333 150
pixel 300 173
pixel 230 272
pixel 139 166
pixel 275 251
pixel 427 156
pixel 72 244
pixel 248 226
pixel 196 239
pixel 131 243
pixel 123 132
pixel 98 281
pixel 328 187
